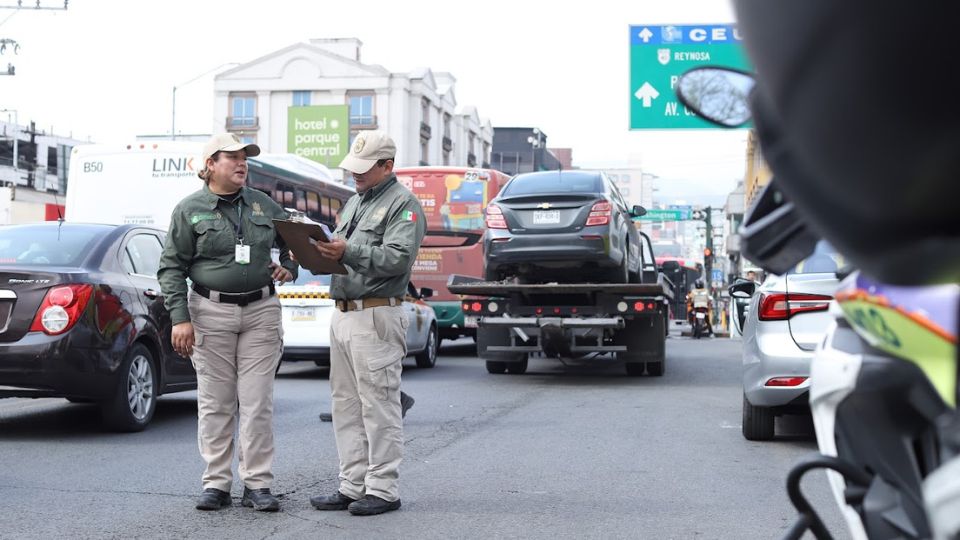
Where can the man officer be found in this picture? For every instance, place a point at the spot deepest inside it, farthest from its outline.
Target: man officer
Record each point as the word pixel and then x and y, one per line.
pixel 377 239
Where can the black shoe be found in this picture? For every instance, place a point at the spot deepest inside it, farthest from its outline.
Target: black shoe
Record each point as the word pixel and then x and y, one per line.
pixel 213 499
pixel 372 505
pixel 260 499
pixel 337 501
pixel 406 402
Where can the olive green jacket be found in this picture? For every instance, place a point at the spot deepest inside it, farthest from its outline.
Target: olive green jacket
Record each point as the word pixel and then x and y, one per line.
pixel 390 225
pixel 201 246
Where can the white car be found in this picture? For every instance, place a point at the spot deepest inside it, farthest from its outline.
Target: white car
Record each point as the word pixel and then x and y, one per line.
pixel 308 309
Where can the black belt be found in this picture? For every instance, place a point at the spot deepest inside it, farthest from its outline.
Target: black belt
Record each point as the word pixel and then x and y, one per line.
pixel 240 299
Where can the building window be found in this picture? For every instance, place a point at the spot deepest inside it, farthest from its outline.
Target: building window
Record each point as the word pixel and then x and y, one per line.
pixel 425 110
pixel 446 158
pixel 446 125
pixel 301 98
pixel 247 139
pixel 361 111
pixel 424 151
pixel 243 110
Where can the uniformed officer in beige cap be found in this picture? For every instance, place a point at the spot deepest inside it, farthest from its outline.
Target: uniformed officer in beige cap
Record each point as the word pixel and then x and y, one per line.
pixel 221 237
pixel 377 240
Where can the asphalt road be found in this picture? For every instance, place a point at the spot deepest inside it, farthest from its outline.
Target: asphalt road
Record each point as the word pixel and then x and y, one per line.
pixel 561 452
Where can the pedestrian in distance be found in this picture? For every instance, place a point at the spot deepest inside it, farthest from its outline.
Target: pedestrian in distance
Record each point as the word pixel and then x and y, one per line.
pixel 377 240
pixel 229 320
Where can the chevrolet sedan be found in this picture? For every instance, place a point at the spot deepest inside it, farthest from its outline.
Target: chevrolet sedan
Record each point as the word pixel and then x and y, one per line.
pixel 558 226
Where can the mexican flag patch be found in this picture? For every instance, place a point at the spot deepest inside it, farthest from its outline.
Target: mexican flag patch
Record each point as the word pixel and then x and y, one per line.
pixel 408 216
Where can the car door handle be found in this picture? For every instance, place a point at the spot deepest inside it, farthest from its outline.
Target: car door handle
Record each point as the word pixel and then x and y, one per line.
pixel 150 293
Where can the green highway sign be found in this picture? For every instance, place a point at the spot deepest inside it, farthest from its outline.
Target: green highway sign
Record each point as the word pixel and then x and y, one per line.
pixel 660 54
pixel 655 214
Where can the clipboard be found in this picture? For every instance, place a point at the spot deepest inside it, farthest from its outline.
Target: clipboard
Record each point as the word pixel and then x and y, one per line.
pixel 300 238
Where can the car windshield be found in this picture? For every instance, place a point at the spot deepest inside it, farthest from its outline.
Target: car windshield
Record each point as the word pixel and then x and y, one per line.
pixel 553 183
pixel 825 259
pixel 46 245
pixel 306 278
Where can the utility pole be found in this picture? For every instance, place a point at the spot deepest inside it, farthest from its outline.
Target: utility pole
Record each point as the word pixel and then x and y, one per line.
pixel 708 252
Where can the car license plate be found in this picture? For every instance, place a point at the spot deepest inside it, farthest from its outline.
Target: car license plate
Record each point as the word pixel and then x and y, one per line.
pixel 548 217
pixel 469 321
pixel 304 314
pixel 701 315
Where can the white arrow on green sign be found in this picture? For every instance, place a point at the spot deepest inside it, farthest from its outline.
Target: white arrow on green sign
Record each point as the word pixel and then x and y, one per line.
pixel 660 54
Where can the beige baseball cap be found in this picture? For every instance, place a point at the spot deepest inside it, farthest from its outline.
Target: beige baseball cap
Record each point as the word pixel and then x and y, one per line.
pixel 368 147
pixel 227 142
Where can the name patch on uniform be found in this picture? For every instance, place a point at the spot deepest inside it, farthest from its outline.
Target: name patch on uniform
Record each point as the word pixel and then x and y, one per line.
pixel 257 211
pixel 407 215
pixel 378 214
pixel 197 218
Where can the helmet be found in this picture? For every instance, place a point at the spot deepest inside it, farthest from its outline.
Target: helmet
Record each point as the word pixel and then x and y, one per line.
pixel 698 284
pixel 862 129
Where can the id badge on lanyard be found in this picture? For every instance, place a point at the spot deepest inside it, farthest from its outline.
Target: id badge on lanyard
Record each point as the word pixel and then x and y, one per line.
pixel 241 252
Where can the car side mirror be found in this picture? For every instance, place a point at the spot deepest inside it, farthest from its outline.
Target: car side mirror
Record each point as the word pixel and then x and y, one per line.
pixel 742 289
pixel 638 211
pixel 426 292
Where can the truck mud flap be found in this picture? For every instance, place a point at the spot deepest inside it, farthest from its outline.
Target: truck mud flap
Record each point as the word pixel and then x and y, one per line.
pixel 644 338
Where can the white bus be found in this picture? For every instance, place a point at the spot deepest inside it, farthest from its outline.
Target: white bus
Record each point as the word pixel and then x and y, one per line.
pixel 142 182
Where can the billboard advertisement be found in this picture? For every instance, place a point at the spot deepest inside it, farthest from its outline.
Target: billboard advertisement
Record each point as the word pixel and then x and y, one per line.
pixel 319 132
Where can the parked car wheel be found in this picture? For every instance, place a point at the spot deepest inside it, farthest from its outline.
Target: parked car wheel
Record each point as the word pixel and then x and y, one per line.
pixel 496 367
pixel 135 400
pixel 758 422
pixel 517 368
pixel 428 357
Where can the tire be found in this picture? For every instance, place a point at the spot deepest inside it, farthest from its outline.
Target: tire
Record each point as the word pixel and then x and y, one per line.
pixel 496 367
pixel 135 400
pixel 634 369
pixel 758 422
pixel 428 357
pixel 656 369
pixel 697 328
pixel 491 275
pixel 517 368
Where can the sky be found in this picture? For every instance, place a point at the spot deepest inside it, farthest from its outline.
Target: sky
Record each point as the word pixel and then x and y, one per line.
pixel 106 69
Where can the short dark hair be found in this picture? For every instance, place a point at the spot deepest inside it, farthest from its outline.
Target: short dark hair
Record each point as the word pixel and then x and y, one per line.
pixel 382 162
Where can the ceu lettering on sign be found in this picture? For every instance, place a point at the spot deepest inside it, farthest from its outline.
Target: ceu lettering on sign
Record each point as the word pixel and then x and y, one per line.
pixel 659 55
pixel 173 167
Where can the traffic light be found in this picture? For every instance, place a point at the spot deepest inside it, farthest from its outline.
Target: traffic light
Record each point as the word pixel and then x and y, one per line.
pixel 699 215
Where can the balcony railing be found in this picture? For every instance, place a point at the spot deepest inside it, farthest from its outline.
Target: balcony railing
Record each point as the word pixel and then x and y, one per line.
pixel 235 123
pixel 363 122
pixel 425 130
pixel 447 144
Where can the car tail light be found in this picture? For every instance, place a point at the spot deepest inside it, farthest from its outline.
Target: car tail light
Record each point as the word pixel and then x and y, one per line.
pixel 780 306
pixel 785 381
pixel 599 214
pixel 61 308
pixel 495 218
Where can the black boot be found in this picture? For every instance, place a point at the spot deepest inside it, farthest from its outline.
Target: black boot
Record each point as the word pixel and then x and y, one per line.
pixel 406 401
pixel 372 505
pixel 213 499
pixel 260 499
pixel 337 501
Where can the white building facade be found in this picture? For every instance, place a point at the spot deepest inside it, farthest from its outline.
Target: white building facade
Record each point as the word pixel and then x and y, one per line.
pixel 417 109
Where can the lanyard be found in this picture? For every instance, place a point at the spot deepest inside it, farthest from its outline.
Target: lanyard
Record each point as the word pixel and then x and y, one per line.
pixel 239 228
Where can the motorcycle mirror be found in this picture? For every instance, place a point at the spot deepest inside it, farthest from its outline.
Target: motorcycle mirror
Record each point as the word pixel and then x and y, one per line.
pixel 774 235
pixel 717 94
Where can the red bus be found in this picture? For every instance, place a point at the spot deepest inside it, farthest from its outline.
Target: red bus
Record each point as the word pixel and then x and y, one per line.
pixel 453 199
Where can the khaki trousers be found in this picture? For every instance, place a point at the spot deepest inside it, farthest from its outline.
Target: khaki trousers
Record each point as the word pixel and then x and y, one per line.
pixel 367 348
pixel 236 354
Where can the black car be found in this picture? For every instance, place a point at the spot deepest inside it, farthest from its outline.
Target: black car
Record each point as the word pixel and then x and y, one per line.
pixel 562 226
pixel 82 317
